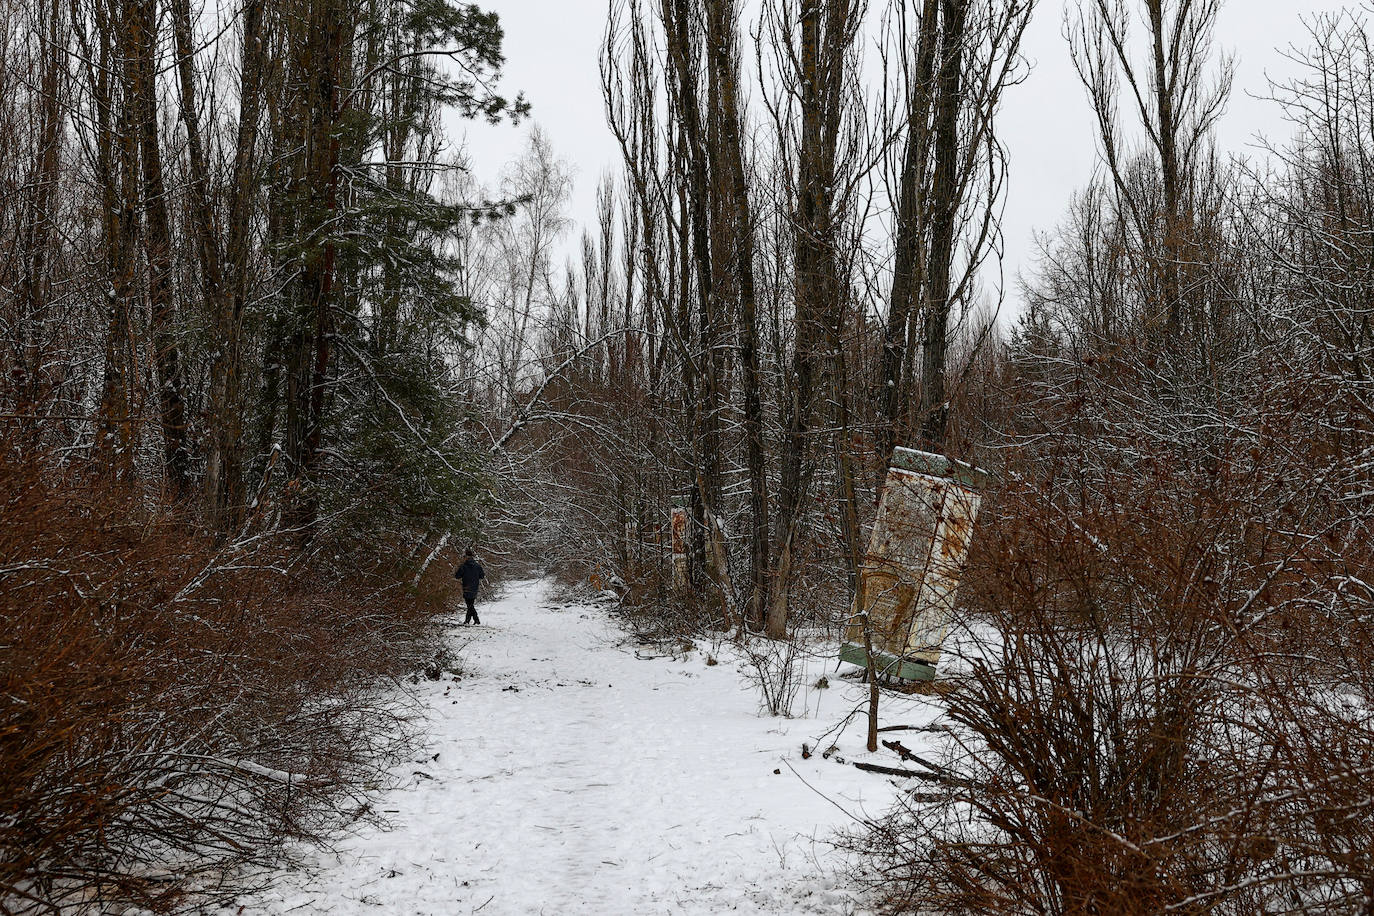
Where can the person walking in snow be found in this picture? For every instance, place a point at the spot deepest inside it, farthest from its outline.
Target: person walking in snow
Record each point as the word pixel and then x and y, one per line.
pixel 471 575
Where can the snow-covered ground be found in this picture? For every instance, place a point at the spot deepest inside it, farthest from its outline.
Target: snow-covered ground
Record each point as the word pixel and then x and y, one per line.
pixel 566 774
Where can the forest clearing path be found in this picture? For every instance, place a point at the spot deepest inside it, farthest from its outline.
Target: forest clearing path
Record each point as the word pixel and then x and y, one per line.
pixel 565 775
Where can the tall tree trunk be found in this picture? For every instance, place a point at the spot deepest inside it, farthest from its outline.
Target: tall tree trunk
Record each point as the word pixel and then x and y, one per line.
pixel 737 240
pixel 845 445
pixel 680 25
pixel 224 461
pixel 825 32
pixel 204 222
pixel 37 232
pixel 117 174
pixel 910 232
pixel 945 197
pixel 157 245
pixel 1167 129
pixel 321 64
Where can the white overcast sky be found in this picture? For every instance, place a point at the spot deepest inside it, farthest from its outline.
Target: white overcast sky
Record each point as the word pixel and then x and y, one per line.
pixel 552 46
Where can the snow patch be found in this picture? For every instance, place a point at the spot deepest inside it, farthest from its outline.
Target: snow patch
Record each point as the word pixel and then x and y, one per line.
pixel 565 775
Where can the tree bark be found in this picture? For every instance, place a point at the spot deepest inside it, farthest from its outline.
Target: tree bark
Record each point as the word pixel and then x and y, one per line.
pixel 825 33
pixel 224 461
pixel 157 246
pixel 116 161
pixel 1165 88
pixel 910 237
pixel 737 240
pixel 684 61
pixel 321 66
pixel 945 197
pixel 37 231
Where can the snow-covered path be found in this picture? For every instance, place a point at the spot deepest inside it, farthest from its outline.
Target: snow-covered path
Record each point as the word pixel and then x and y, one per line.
pixel 565 775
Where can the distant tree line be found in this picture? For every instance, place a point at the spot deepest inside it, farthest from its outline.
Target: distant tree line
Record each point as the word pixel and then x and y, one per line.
pixel 725 339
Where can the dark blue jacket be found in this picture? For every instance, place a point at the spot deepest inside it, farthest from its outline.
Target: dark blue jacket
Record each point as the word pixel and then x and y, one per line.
pixel 471 574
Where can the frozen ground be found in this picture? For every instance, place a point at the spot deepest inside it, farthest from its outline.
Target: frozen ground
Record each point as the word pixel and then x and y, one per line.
pixel 567 775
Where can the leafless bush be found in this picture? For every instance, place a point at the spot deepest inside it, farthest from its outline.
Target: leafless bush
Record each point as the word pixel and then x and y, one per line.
pixel 776 670
pixel 657 612
pixel 172 706
pixel 1167 705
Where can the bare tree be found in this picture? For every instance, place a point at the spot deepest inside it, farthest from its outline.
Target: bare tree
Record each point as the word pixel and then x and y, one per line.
pixel 814 42
pixel 953 71
pixel 734 241
pixel 1170 96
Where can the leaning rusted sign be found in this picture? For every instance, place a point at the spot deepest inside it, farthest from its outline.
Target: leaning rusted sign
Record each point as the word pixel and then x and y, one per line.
pixel 915 557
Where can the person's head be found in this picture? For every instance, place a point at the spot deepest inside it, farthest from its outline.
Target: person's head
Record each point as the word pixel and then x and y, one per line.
pixel 469 553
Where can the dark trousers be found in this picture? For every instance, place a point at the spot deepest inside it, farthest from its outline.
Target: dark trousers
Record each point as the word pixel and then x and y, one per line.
pixel 470 597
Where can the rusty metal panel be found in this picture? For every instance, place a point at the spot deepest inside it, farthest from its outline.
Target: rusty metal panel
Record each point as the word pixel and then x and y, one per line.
pixel 894 567
pixel 915 555
pixel 935 603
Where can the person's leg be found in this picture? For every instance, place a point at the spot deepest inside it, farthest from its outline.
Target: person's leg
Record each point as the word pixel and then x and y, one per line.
pixel 472 609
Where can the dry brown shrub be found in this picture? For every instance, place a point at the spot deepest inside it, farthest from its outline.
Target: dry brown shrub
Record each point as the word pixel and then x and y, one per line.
pixel 169 706
pixel 1165 702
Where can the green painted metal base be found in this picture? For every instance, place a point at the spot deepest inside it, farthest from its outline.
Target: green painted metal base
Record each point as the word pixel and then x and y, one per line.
pixel 888 666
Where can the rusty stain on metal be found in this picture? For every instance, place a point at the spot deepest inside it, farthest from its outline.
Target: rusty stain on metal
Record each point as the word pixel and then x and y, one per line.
pixel 679 547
